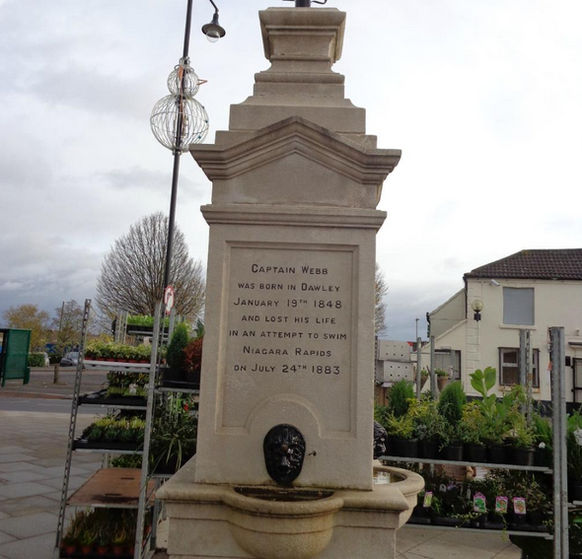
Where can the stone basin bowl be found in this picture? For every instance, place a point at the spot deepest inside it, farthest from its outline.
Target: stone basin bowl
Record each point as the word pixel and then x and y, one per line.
pixel 298 523
pixel 274 523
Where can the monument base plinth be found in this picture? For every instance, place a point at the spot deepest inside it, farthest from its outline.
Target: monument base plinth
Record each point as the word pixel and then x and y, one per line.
pixel 224 521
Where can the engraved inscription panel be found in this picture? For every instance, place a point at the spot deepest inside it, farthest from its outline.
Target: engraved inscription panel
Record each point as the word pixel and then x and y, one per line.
pixel 289 330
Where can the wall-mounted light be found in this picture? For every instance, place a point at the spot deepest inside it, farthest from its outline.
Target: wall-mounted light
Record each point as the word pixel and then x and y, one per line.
pixel 494 283
pixel 477 306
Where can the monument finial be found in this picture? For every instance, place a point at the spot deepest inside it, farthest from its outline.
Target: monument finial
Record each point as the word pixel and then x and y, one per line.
pixel 306 3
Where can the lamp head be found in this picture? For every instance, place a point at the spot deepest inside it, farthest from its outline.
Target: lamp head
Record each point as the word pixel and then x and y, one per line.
pixel 213 30
pixel 477 306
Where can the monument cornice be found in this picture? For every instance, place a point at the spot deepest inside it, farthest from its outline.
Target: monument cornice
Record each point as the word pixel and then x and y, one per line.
pixel 296 135
pixel 307 216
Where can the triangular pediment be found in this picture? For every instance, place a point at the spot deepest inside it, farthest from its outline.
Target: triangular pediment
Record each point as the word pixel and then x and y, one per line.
pixel 296 153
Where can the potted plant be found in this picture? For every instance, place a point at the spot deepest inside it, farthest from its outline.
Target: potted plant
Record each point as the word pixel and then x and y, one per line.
pixel 574 454
pixel 401 395
pixel 119 541
pixel 472 433
pixel 429 426
pixel 442 377
pixel 174 434
pixel 543 440
pixel 402 440
pixel 521 442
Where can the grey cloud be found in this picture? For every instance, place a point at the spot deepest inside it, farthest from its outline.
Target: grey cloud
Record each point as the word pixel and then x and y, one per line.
pixel 157 181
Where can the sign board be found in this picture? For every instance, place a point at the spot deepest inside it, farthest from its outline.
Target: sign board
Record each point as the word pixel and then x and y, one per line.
pixel 169 298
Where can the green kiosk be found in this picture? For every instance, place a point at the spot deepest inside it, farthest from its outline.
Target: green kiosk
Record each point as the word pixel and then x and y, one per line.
pixel 14 345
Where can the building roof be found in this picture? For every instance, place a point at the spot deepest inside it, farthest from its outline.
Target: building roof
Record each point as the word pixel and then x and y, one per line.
pixel 558 264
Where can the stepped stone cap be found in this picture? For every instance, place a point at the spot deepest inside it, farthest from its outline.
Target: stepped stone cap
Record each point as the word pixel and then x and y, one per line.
pixel 302 44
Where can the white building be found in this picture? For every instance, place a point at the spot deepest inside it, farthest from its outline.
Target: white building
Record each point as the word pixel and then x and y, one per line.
pixel 530 290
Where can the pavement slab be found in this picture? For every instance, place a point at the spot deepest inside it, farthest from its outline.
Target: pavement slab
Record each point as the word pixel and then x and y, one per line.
pixel 16 490
pixel 28 506
pixel 38 547
pixel 35 525
pixel 4 538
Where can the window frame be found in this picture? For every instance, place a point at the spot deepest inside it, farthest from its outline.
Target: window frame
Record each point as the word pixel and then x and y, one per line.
pixel 506 290
pixel 535 366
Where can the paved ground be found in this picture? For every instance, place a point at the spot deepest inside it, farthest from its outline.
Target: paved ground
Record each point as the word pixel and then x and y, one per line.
pixel 32 453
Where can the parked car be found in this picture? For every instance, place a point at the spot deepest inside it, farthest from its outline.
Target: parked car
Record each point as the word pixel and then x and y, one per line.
pixel 70 359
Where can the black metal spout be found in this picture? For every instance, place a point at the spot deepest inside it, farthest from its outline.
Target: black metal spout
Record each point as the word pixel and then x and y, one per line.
pixel 306 3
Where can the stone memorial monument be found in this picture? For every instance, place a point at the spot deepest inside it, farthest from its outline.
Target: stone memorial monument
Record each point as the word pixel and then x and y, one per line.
pixel 284 465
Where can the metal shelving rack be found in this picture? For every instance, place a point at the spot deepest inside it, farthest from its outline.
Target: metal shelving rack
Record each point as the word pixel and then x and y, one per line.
pixel 559 467
pixel 136 492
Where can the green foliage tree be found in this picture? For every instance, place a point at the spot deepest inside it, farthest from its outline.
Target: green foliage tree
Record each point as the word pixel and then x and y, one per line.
pixel 452 401
pixel 400 395
pixel 29 317
pixel 175 356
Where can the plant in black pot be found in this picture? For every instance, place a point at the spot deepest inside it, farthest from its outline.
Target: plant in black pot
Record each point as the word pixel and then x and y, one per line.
pixel 175 356
pixel 450 406
pixel 473 433
pixel 574 453
pixel 174 433
pixel 521 443
pixel 403 441
pixel 542 428
pixel 429 426
pixel 400 398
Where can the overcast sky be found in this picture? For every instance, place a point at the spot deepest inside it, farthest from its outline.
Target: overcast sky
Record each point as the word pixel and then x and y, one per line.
pixel 483 97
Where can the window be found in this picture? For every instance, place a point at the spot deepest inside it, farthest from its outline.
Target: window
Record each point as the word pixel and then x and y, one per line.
pixel 449 360
pixel 518 305
pixel 509 366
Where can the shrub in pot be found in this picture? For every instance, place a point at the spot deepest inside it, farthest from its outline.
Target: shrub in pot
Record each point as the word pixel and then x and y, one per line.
pixel 451 443
pixel 574 455
pixel 429 425
pixel 542 427
pixel 451 402
pixel 174 433
pixel 401 395
pixel 521 443
pixel 402 437
pixel 473 433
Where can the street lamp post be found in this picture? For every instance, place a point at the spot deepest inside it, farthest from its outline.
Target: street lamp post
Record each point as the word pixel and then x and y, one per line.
pixel 178 120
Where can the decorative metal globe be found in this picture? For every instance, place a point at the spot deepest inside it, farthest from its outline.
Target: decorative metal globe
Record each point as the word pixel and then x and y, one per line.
pixel 165 120
pixel 191 81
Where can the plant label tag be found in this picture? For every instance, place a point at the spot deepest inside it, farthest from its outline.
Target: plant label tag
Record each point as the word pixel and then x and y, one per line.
pixel 518 505
pixel 479 503
pixel 427 500
pixel 443 488
pixel 501 504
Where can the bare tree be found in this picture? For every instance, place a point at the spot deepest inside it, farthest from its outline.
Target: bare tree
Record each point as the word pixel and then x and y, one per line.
pixel 381 289
pixel 68 322
pixel 132 274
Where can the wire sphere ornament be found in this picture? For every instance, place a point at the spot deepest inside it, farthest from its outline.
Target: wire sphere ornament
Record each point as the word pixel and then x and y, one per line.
pixel 184 78
pixel 178 121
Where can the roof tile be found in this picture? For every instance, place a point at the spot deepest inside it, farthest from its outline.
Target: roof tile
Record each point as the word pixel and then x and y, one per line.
pixel 560 264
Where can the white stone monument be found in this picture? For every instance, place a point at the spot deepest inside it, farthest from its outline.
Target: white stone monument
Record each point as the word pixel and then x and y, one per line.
pixel 289 340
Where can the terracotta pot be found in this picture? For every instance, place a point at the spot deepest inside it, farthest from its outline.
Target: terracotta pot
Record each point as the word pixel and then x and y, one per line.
pixel 117 550
pixel 69 549
pixel 102 550
pixel 86 549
